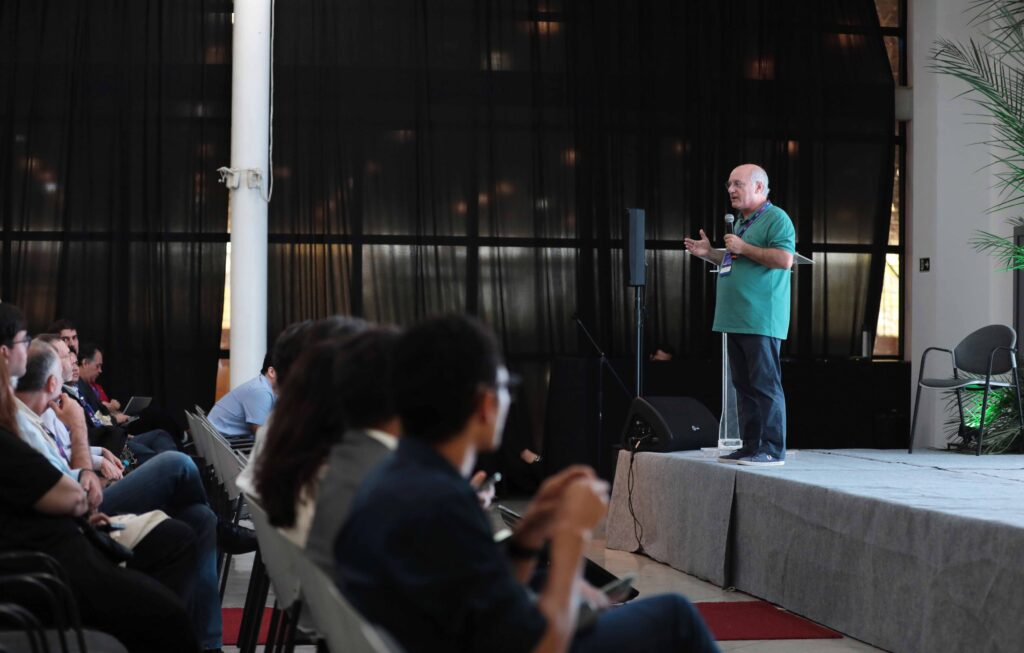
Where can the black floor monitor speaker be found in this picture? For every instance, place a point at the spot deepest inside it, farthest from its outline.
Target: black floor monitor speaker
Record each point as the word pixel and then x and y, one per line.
pixel 669 424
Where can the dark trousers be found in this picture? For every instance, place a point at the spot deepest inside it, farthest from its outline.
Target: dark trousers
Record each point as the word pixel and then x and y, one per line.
pixel 147 445
pixel 653 625
pixel 137 608
pixel 171 482
pixel 757 377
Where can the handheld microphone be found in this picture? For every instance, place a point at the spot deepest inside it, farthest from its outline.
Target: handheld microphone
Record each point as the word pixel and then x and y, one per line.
pixel 729 219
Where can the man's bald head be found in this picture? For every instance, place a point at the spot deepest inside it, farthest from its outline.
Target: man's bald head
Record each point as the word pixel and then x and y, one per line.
pixel 748 187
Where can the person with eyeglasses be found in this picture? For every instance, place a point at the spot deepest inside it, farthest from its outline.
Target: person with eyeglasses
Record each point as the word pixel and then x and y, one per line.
pixel 14 340
pixel 417 556
pixel 752 307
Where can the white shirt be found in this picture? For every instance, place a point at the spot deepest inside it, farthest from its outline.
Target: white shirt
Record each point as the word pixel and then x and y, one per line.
pixel 55 426
pixel 33 431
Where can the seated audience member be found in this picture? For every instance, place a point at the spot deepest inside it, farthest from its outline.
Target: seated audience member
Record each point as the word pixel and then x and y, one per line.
pixel 336 421
pixel 104 462
pixel 287 349
pixel 140 604
pixel 107 436
pixel 144 445
pixel 170 482
pixel 67 331
pixel 417 556
pixel 14 340
pixel 243 410
pixel 90 360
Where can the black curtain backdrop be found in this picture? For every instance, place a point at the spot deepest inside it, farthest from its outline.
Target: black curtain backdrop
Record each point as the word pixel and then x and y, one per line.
pixel 470 155
pixel 113 120
pixel 478 155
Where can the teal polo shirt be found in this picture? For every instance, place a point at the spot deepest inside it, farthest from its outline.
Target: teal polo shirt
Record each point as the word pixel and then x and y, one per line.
pixel 754 299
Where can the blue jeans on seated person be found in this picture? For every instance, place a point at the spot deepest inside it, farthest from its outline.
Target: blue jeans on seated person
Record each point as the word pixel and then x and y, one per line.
pixel 667 622
pixel 148 444
pixel 171 482
pixel 760 402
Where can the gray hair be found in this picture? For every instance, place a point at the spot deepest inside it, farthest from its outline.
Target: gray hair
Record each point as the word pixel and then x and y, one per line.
pixel 759 175
pixel 43 363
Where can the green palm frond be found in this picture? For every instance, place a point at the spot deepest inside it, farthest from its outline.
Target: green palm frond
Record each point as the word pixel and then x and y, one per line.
pixel 1002 426
pixel 998 88
pixel 1004 250
pixel 993 70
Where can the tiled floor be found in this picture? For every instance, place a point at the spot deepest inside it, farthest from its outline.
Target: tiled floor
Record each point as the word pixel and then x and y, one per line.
pixel 655 578
pixel 652 578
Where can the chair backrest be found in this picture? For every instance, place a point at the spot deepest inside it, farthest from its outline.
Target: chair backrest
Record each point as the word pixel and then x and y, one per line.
pixel 227 463
pixel 198 436
pixel 335 618
pixel 278 554
pixel 973 352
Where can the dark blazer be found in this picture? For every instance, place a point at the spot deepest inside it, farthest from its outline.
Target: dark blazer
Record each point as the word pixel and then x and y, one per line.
pixel 348 463
pixel 113 437
pixel 88 395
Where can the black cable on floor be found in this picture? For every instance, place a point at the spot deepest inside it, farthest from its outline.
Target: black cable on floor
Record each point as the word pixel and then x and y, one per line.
pixel 638 528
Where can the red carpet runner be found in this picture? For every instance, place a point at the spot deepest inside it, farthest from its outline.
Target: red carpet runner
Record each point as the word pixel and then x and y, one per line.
pixel 233 622
pixel 729 620
pixel 732 620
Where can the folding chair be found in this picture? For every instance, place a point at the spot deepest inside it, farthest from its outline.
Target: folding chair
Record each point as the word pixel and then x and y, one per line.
pixel 987 352
pixel 338 622
pixel 277 554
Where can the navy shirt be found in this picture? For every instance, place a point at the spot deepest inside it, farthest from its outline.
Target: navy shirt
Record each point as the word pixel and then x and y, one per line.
pixel 417 557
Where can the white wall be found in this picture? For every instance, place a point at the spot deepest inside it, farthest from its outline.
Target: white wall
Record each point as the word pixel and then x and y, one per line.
pixel 950 193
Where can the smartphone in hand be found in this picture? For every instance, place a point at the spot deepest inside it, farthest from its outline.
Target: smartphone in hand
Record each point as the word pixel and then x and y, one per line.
pixel 617 590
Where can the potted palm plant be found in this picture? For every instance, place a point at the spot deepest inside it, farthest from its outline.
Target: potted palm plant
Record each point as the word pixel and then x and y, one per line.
pixel 993 69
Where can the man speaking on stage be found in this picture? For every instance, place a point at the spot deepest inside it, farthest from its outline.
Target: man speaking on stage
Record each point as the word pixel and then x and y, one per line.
pixel 753 309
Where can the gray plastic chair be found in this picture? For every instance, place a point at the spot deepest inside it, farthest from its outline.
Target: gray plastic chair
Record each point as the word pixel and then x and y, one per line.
pixel 277 553
pixel 335 618
pixel 989 351
pixel 198 436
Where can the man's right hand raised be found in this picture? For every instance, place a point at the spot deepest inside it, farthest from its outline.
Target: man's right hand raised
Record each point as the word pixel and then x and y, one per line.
pixel 541 514
pixel 700 247
pixel 584 503
pixel 69 412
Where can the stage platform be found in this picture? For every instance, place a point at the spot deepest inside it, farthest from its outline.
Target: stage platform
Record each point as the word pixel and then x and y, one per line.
pixel 908 552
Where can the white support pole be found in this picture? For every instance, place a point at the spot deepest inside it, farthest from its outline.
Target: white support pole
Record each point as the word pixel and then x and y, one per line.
pixel 250 139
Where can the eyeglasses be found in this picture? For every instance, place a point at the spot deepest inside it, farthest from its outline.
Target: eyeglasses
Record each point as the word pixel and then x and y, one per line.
pixel 24 341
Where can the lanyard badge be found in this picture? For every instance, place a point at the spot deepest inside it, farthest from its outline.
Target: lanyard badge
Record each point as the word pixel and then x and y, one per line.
pixel 725 269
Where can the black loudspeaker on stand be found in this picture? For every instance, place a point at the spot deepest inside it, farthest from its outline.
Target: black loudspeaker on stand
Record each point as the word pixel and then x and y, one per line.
pixel 669 424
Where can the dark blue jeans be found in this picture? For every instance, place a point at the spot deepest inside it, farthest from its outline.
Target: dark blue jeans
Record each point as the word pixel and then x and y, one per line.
pixel 148 444
pixel 653 625
pixel 757 377
pixel 171 482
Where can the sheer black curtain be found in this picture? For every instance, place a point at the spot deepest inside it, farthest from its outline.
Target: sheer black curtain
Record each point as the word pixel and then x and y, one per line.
pixel 478 155
pixel 471 155
pixel 113 119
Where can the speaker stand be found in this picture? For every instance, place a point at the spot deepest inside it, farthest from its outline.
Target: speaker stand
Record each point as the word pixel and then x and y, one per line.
pixel 603 364
pixel 638 319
